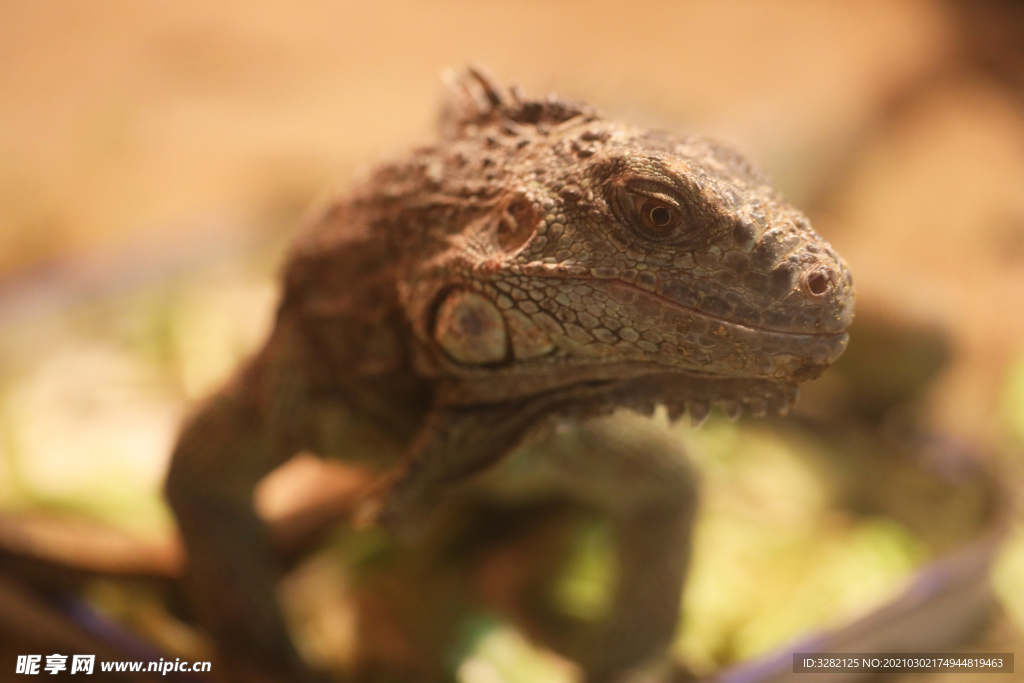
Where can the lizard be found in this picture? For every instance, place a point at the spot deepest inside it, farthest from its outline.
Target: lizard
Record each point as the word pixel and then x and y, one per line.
pixel 537 262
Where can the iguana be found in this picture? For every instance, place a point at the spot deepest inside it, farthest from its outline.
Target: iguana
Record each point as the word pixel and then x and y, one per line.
pixel 537 262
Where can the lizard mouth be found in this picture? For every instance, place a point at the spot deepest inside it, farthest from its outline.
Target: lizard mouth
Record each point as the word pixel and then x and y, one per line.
pixel 627 290
pixel 716 341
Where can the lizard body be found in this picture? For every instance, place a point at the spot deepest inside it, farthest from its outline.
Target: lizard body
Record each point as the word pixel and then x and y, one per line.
pixel 538 260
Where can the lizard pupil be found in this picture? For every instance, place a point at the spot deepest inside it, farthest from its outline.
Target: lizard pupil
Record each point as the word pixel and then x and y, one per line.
pixel 657 218
pixel 660 216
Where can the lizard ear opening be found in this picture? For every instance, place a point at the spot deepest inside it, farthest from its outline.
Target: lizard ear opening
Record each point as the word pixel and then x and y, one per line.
pixel 517 224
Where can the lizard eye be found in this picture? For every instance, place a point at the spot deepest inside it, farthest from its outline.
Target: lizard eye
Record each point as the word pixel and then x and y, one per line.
pixel 658 217
pixel 652 210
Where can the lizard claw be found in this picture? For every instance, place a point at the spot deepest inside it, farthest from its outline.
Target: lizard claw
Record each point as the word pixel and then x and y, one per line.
pixel 381 509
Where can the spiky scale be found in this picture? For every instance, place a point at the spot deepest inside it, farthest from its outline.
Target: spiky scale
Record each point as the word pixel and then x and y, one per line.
pixel 699 412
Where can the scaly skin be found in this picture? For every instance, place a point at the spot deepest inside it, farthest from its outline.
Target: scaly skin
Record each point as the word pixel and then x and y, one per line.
pixel 537 261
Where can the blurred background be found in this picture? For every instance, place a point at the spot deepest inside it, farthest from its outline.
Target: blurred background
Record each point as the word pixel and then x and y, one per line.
pixel 155 157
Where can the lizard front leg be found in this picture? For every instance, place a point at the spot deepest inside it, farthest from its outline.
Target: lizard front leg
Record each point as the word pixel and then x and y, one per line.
pixel 629 469
pixel 651 492
pixel 222 453
pixel 636 475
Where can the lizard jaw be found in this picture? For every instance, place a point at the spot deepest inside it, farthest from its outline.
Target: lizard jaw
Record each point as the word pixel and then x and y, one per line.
pixel 639 387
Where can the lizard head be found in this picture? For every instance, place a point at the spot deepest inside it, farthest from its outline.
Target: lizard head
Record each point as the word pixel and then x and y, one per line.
pixel 615 254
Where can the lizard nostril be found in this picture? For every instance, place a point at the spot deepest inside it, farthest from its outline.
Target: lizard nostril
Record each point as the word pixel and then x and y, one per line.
pixel 818 282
